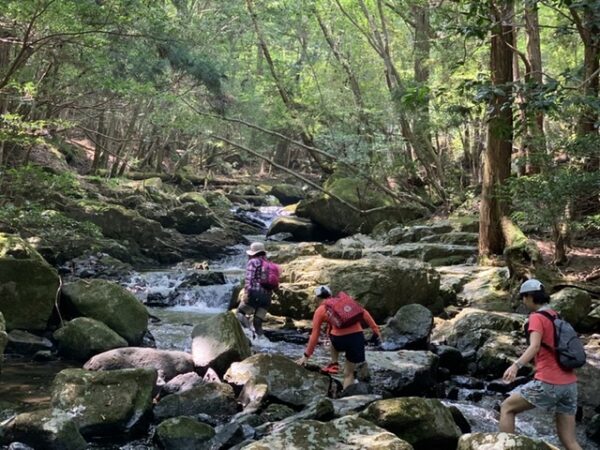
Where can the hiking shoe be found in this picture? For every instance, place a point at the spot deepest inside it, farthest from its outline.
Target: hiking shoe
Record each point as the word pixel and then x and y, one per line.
pixel 331 368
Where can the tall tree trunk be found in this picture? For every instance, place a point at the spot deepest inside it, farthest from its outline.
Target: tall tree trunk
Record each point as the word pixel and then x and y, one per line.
pixel 535 75
pixel 500 128
pixel 422 47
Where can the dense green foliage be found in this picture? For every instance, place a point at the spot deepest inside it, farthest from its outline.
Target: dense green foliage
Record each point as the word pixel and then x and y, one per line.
pixel 398 89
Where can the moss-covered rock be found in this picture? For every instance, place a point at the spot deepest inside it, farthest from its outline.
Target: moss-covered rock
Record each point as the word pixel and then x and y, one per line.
pixel 504 441
pixel 572 304
pixel 103 403
pixel 82 338
pixel 423 422
pixel 28 285
pixel 338 218
pixel 193 197
pixel 218 341
pixel 454 238
pixel 183 433
pixel 287 194
pixel 349 432
pixel 25 343
pixel 381 284
pixel 217 199
pixel 47 429
pixel 287 381
pixel 497 354
pixel 215 399
pixel 110 304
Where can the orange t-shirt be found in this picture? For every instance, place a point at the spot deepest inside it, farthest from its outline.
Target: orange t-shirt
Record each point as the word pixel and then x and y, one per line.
pixel 547 368
pixel 320 316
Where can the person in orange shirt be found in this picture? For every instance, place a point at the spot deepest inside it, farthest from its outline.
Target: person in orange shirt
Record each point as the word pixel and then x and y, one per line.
pixel 553 388
pixel 349 340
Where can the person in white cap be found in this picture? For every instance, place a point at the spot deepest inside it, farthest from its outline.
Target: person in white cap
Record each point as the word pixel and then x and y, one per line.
pixel 348 337
pixel 256 297
pixel 553 388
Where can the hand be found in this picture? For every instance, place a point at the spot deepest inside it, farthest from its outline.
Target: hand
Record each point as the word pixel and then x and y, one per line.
pixel 510 374
pixel 244 296
pixel 302 361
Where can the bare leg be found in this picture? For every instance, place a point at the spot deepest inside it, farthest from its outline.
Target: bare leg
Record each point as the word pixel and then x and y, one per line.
pixel 565 427
pixel 349 373
pixel 512 406
pixel 257 322
pixel 335 355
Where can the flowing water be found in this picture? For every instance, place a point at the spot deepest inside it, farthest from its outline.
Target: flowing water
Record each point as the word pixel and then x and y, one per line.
pixel 172 327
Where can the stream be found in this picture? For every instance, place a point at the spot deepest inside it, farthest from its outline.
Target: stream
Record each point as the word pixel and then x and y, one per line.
pixel 27 383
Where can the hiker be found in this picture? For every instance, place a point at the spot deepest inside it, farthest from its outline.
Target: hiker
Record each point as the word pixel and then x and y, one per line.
pixel 553 388
pixel 347 336
pixel 262 278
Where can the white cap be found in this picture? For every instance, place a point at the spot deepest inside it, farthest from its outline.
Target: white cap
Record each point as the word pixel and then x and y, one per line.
pixel 532 285
pixel 256 247
pixel 323 291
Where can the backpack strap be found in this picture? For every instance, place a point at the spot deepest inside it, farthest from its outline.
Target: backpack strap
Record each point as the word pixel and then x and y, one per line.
pixel 551 318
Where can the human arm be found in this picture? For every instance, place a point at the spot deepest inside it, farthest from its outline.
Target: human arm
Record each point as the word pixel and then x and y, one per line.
pixel 318 319
pixel 535 342
pixel 371 323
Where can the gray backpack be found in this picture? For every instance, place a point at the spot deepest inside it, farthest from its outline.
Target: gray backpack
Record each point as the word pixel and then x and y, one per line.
pixel 567 345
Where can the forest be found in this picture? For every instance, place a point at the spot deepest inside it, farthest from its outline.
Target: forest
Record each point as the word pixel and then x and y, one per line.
pixel 428 158
pixel 436 101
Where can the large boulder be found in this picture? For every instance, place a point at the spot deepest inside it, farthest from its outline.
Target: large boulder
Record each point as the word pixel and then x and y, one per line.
pixel 405 372
pixel 572 304
pixel 167 363
pixel 349 432
pixel 183 433
pixel 28 285
pixel 287 194
pixel 191 218
pixel 103 403
pixel 437 254
pixel 108 303
pixel 215 399
pixel 300 229
pixel 588 377
pixel 423 422
pixel 381 284
pixel 504 441
pixel 471 328
pixel 217 341
pixel 287 381
pixel 338 218
pixel 82 338
pixel 400 235
pixel 497 354
pixel 44 429
pixel 409 328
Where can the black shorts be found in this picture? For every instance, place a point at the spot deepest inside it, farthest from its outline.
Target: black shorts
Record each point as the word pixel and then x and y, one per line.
pixel 352 344
pixel 259 298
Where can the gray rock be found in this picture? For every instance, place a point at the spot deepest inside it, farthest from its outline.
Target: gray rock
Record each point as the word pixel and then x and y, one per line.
pixel 320 408
pixel 44 429
pixel 218 341
pixel 183 433
pixel 350 432
pixel 588 377
pixel 103 403
pixel 409 328
pixel 25 343
pixel 167 363
pixel 423 422
pixel 181 383
pixel 497 354
pixel 301 230
pixel 287 194
pixel 287 381
pixel 108 303
pixel 3 339
pixel 352 404
pixel 82 338
pixel 405 372
pixel 451 358
pixel 454 238
pixel 28 285
pixel 202 278
pixel 214 399
pixel 276 412
pixel 505 441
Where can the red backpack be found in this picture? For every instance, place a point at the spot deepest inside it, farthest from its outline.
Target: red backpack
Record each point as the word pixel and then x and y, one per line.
pixel 343 311
pixel 269 275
